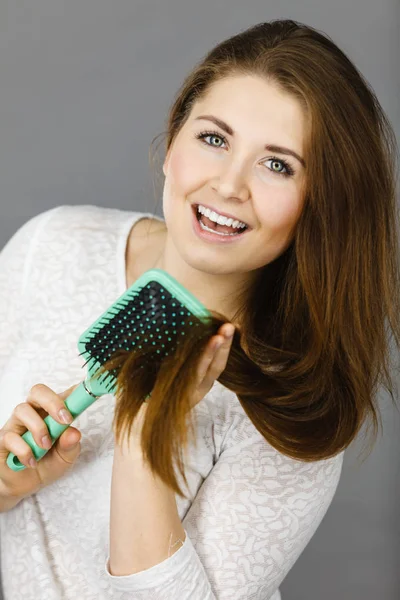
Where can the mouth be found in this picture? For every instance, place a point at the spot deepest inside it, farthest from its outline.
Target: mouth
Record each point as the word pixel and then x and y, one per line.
pixel 233 232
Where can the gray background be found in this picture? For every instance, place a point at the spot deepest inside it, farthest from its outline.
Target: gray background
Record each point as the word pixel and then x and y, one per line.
pixel 85 86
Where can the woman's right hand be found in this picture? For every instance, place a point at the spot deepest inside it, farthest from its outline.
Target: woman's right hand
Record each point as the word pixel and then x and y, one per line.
pixel 29 415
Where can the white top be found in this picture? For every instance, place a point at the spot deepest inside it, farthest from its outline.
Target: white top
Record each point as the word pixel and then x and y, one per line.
pixel 251 510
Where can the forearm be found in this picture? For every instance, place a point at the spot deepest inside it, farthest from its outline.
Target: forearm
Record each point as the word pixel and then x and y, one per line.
pixel 143 515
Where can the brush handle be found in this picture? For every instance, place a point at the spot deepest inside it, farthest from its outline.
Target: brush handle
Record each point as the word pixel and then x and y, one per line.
pixel 78 401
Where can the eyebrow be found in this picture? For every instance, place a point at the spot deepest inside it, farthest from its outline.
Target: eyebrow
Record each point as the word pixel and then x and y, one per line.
pixel 269 147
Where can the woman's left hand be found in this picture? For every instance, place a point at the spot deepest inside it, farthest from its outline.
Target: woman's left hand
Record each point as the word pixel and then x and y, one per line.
pixel 213 361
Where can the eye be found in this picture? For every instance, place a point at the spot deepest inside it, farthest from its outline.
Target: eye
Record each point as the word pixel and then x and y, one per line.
pixel 289 171
pixel 206 134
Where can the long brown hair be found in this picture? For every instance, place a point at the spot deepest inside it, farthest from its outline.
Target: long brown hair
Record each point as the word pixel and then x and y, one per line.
pixel 311 346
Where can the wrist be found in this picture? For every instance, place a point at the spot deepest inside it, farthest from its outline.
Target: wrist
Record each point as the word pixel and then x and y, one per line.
pixel 8 502
pixel 130 445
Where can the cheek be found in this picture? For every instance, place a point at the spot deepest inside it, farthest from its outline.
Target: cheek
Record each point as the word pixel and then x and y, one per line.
pixel 183 172
pixel 180 182
pixel 280 213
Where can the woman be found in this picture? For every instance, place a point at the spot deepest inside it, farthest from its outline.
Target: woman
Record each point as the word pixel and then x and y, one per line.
pixel 277 130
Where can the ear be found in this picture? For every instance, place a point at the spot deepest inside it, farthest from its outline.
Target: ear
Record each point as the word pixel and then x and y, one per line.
pixel 166 161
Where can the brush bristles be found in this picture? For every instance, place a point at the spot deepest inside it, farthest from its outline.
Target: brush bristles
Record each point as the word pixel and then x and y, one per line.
pixel 149 321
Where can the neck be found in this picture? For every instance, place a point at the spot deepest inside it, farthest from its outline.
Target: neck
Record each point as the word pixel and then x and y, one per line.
pixel 217 291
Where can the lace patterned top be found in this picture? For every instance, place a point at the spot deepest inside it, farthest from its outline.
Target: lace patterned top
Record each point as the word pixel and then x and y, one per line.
pixel 251 511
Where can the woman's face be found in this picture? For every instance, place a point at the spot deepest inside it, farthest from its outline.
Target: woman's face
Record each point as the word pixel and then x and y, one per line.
pixel 235 174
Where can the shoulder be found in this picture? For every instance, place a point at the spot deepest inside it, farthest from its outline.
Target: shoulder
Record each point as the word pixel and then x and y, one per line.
pixel 75 235
pixel 69 217
pixel 67 226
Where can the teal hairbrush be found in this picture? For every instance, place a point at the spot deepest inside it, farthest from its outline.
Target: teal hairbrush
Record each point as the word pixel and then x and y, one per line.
pixel 154 311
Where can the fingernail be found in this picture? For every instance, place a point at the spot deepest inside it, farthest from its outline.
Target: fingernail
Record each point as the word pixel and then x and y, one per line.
pixel 229 332
pixel 46 442
pixel 65 416
pixel 33 463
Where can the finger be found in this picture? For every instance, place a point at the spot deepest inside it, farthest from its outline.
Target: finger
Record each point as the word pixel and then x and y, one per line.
pixel 227 330
pixel 64 395
pixel 27 418
pixel 12 442
pixel 29 415
pixel 219 357
pixel 42 396
pixel 208 360
pixel 67 443
pixel 225 334
pixel 205 362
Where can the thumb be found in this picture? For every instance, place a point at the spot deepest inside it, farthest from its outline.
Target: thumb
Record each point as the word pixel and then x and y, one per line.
pixel 61 456
pixel 68 445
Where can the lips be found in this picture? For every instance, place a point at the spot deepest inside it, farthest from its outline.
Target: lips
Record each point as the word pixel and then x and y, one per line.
pixel 195 208
pixel 212 237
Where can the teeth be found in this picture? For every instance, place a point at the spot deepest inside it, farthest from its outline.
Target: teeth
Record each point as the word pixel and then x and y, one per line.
pixel 213 216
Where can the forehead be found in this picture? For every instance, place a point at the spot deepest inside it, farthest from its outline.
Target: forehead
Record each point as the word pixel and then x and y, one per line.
pixel 255 107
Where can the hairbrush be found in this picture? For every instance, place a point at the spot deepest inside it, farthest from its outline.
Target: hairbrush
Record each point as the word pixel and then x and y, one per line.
pixel 153 312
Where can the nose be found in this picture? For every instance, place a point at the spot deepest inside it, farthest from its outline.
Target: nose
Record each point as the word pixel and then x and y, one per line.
pixel 232 183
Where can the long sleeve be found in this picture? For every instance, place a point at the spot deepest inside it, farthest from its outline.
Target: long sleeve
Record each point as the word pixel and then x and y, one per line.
pixel 248 524
pixel 15 258
pixel 15 261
